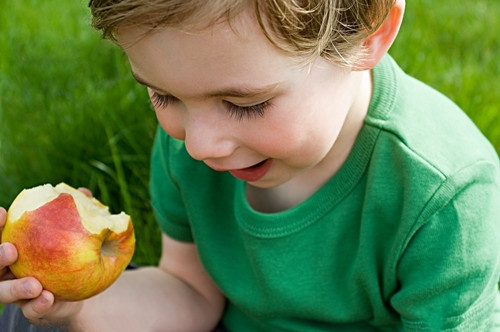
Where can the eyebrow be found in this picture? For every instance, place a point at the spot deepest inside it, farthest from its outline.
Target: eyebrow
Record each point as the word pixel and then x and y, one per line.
pixel 239 92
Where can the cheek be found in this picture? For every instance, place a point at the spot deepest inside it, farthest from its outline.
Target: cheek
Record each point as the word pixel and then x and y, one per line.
pixel 171 122
pixel 169 118
pixel 306 127
pixel 281 133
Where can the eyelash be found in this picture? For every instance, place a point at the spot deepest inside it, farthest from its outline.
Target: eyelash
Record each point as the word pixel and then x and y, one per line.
pixel 235 111
pixel 160 101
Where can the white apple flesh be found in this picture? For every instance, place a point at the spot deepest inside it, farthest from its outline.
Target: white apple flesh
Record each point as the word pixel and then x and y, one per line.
pixel 70 242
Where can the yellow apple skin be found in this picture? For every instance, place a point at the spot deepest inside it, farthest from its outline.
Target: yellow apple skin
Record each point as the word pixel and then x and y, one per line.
pixel 55 248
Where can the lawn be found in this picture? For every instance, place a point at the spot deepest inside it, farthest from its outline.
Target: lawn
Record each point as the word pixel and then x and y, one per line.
pixel 455 48
pixel 70 111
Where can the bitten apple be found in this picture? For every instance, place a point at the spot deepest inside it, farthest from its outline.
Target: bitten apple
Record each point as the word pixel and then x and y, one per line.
pixel 68 241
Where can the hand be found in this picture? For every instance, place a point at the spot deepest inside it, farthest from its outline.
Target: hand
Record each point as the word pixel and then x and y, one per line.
pixel 86 191
pixel 28 293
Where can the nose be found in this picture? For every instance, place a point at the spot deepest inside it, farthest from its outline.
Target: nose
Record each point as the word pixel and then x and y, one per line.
pixel 208 137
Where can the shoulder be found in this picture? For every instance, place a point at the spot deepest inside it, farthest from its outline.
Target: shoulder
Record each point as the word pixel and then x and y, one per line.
pixel 423 124
pixel 429 160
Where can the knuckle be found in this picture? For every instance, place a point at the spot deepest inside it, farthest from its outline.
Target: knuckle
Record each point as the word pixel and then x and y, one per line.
pixel 36 309
pixel 8 254
pixel 16 290
pixel 8 293
pixel 31 312
pixel 25 288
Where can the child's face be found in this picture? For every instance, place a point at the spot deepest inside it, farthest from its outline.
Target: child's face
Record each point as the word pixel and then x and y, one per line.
pixel 243 106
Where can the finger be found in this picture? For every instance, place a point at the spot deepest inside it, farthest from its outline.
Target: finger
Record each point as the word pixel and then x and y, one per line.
pixel 86 191
pixel 19 289
pixel 8 254
pixel 39 306
pixel 3 216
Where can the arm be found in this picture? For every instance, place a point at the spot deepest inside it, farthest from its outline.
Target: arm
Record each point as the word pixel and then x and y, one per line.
pixel 449 272
pixel 178 295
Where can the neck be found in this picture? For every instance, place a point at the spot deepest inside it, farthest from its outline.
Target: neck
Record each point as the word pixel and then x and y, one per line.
pixel 304 185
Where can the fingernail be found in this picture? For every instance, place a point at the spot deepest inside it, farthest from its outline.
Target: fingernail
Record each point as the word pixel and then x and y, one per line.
pixel 27 288
pixel 44 300
pixel 2 253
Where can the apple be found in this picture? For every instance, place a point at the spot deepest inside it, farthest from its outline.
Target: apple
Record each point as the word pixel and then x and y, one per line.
pixel 68 241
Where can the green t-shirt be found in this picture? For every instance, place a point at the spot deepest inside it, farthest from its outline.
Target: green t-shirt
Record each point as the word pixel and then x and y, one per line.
pixel 405 236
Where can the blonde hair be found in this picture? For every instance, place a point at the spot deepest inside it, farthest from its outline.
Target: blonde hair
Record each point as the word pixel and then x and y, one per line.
pixel 333 29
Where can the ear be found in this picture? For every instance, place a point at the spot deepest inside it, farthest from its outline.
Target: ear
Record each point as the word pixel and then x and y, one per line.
pixel 378 43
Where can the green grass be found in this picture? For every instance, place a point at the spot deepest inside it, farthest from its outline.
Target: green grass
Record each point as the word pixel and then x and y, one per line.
pixel 455 48
pixel 70 111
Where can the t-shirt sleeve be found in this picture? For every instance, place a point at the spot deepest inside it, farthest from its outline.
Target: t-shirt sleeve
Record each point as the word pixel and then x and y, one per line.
pixel 449 271
pixel 165 194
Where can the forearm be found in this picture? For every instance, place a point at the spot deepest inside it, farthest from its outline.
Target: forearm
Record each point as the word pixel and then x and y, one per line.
pixel 148 299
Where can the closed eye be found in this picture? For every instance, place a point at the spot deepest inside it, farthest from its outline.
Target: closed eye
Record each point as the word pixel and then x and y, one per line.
pixel 235 111
pixel 247 112
pixel 161 101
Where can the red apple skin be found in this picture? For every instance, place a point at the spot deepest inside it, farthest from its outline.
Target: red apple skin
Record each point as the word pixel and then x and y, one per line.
pixel 54 247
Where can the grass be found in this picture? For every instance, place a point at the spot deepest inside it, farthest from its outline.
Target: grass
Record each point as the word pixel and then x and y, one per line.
pixel 455 48
pixel 70 111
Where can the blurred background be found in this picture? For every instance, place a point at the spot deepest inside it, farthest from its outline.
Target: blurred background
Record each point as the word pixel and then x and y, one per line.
pixel 71 112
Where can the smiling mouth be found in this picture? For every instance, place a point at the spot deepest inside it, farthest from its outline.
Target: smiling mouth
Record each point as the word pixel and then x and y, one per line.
pixel 256 165
pixel 254 172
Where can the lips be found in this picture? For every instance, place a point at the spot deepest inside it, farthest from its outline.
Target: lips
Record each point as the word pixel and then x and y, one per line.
pixel 252 173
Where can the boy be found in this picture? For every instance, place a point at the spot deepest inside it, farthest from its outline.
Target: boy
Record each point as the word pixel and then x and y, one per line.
pixel 302 181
